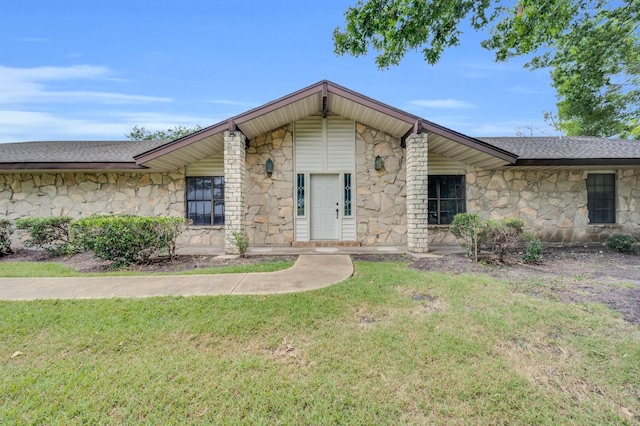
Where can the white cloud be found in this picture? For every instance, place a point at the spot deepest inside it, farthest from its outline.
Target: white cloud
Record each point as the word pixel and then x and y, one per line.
pixel 29 85
pixel 29 125
pixel 230 102
pixel 441 103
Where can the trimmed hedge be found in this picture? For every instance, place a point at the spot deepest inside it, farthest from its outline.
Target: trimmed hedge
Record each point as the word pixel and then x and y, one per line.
pixel 6 229
pixel 127 239
pixel 48 233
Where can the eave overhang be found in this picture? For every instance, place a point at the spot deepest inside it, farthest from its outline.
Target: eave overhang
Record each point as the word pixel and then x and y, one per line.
pixel 575 162
pixel 322 97
pixel 91 167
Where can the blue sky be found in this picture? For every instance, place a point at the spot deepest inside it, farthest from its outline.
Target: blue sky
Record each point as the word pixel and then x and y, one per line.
pixel 73 70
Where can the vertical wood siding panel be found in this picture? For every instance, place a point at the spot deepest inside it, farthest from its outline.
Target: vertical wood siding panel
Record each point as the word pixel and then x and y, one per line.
pixel 440 165
pixel 309 144
pixel 210 166
pixel 341 143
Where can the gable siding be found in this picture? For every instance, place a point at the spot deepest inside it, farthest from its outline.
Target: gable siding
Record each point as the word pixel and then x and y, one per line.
pixel 309 147
pixel 440 165
pixel 340 144
pixel 210 166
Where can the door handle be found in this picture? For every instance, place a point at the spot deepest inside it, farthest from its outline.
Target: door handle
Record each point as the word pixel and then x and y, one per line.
pixel 337 210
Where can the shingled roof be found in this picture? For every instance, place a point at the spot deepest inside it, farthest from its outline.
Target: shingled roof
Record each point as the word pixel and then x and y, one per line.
pixel 73 155
pixel 569 150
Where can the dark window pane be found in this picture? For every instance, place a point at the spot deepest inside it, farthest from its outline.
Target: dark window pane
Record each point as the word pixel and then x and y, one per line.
pixel 433 212
pixel 300 194
pixel 218 213
pixel 347 194
pixel 202 192
pixel 601 197
pixel 446 198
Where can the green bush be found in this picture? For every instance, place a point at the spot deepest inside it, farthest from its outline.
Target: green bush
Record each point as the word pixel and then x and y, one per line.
pixel 622 243
pixel 467 226
pixel 48 233
pixel 6 229
pixel 533 250
pixel 127 239
pixel 502 235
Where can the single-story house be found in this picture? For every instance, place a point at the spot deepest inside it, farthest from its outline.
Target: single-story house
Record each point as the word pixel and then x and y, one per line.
pixel 326 165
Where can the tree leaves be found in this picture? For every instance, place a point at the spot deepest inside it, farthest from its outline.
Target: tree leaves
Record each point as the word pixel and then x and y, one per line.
pixel 592 48
pixel 139 133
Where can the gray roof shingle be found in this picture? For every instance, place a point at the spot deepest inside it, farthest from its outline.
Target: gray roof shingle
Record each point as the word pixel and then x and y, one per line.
pixel 75 151
pixel 567 147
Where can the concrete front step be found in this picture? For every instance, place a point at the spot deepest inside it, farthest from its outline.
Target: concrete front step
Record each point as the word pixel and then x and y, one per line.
pixel 326 244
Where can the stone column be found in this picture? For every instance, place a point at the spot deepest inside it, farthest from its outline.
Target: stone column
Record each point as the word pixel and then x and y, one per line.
pixel 234 173
pixel 417 193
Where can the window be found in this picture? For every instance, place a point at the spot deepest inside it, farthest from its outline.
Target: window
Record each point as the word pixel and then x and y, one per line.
pixel 300 194
pixel 601 197
pixel 205 200
pixel 347 194
pixel 446 198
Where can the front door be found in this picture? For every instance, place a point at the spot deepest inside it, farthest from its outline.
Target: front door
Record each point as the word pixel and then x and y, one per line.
pixel 324 207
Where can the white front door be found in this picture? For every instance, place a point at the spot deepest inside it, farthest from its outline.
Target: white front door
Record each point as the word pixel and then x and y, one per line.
pixel 325 197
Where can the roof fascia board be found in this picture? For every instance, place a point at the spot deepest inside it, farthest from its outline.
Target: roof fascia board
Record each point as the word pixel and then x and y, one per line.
pixel 326 87
pixel 371 103
pixel 232 122
pixel 71 166
pixel 545 162
pixel 185 141
pixel 470 142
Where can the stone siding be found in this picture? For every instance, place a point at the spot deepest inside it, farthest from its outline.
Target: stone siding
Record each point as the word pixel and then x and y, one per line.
pixel 269 199
pixel 83 194
pixel 380 194
pixel 553 203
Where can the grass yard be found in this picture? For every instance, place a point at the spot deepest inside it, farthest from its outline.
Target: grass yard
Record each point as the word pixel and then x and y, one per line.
pixel 55 269
pixel 390 345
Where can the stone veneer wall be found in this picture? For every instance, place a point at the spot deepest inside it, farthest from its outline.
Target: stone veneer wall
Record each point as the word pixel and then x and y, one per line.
pixel 83 194
pixel 269 199
pixel 553 203
pixel 381 210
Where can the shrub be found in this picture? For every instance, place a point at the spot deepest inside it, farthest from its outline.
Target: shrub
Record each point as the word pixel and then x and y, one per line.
pixel 502 235
pixel 533 250
pixel 241 240
pixel 48 233
pixel 6 229
pixel 467 226
pixel 622 243
pixel 127 239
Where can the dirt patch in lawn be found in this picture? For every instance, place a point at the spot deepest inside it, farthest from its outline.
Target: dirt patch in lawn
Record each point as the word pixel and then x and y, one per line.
pixel 574 274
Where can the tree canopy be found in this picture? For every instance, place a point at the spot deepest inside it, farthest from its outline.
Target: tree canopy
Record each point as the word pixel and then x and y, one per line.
pixel 591 47
pixel 139 133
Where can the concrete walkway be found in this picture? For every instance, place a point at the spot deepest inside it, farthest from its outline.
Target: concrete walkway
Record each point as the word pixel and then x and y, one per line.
pixel 308 273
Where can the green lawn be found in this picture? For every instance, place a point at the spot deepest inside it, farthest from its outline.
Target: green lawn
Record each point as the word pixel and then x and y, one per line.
pixel 56 269
pixel 388 346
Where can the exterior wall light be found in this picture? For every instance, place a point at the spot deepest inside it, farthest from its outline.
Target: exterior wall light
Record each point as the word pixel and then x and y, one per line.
pixel 268 167
pixel 378 163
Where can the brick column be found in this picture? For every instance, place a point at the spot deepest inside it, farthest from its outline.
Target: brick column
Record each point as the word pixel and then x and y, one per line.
pixel 234 171
pixel 417 193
